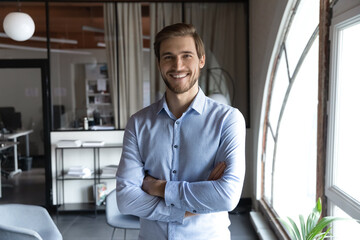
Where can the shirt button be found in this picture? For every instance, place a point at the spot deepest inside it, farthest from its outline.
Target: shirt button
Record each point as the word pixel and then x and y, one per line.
pixel 172 205
pixel 175 146
pixel 177 122
pixel 174 171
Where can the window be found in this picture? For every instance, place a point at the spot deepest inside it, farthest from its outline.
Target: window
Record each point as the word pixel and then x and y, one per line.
pixel 343 132
pixel 289 152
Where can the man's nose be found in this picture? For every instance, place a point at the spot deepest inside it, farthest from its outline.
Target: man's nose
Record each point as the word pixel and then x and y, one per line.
pixel 178 63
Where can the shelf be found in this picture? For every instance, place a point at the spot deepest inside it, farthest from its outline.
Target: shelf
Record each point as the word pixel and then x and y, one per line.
pixel 94 179
pixel 106 145
pixel 67 177
pixel 97 176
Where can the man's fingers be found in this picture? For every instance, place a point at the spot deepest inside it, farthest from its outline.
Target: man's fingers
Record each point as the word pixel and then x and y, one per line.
pixel 218 171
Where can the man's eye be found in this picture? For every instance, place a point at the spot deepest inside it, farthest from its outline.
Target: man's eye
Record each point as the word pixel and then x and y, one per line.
pixel 187 56
pixel 167 57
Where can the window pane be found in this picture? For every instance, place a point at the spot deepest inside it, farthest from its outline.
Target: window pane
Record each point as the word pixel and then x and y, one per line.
pixel 281 83
pixel 35 47
pixel 79 72
pixel 269 152
pixel 21 107
pixel 344 229
pixel 295 167
pixel 302 27
pixel 347 128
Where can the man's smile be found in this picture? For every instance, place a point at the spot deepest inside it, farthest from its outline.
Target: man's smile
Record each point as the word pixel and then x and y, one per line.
pixel 178 75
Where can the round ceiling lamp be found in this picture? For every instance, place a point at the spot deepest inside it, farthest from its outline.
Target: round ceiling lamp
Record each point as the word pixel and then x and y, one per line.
pixel 19 26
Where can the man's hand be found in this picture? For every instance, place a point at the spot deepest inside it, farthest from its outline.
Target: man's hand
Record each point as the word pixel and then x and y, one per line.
pixel 153 186
pixel 217 172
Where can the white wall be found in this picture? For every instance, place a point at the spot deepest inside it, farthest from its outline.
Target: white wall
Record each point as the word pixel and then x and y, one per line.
pixel 265 18
pixel 343 6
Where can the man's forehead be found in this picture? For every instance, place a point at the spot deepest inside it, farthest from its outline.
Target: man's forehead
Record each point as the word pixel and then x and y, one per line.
pixel 178 44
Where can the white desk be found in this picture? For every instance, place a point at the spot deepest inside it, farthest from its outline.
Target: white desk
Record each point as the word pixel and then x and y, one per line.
pixel 3 146
pixel 13 136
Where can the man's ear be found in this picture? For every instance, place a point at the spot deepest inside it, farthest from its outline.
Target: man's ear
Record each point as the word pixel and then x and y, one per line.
pixel 158 63
pixel 202 61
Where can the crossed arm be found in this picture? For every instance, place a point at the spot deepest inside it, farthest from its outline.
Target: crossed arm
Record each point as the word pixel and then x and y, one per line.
pixel 156 187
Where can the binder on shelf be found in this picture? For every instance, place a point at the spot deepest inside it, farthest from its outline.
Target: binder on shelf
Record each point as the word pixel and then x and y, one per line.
pixel 79 171
pixel 109 171
pixel 68 143
pixel 99 193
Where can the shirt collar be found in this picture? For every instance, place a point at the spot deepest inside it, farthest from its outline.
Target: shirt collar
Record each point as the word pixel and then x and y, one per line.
pixel 197 104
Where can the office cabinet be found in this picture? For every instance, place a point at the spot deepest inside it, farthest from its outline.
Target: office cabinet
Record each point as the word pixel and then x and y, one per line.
pixel 98 96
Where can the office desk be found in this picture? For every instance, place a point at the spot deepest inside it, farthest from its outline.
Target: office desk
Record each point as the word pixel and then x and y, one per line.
pixel 3 146
pixel 13 136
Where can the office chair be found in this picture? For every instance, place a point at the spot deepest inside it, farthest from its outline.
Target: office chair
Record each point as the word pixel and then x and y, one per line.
pixel 116 219
pixel 26 222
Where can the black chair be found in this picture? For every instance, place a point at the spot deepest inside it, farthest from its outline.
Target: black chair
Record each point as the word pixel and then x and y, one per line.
pixel 11 120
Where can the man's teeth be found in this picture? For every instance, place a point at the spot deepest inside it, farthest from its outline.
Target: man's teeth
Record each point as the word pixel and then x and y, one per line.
pixel 179 76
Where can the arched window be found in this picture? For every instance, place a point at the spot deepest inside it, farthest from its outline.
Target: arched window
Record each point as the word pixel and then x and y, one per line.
pixel 290 126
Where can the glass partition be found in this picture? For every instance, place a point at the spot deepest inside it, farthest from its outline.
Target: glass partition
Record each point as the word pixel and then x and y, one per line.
pixel 79 77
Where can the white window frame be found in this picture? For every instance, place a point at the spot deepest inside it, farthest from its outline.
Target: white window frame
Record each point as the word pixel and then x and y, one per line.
pixel 338 197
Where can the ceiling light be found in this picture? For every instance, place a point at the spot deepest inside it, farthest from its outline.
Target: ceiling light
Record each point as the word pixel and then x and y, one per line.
pixel 92 29
pixel 19 26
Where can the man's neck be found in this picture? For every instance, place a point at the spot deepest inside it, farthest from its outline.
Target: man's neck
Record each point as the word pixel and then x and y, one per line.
pixel 178 103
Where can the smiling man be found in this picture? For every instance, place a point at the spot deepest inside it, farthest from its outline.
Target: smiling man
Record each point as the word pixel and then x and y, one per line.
pixel 183 160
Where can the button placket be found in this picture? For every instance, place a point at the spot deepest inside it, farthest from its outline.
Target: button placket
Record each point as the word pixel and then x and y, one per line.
pixel 176 147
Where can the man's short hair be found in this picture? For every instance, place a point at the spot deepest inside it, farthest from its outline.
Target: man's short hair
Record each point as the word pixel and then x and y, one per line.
pixel 178 30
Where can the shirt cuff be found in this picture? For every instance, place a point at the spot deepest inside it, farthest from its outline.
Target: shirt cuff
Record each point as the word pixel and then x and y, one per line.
pixel 172 200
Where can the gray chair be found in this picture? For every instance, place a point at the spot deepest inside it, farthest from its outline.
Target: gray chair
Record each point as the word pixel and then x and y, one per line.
pixel 26 222
pixel 116 219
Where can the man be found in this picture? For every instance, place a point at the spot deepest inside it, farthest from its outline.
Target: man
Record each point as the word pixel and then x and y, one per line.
pixel 183 164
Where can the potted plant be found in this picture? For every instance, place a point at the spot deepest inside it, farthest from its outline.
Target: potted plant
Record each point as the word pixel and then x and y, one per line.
pixel 312 229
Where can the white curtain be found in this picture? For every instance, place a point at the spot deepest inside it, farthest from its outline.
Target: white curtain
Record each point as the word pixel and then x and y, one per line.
pixel 161 15
pixel 125 69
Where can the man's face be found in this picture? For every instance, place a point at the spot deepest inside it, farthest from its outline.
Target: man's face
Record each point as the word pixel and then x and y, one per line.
pixel 179 64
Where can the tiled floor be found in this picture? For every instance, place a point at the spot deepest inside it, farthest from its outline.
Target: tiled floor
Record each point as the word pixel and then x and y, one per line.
pixel 28 187
pixel 88 227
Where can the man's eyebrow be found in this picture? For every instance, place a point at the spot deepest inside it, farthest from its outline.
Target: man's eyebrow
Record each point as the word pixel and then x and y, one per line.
pixel 166 53
pixel 183 52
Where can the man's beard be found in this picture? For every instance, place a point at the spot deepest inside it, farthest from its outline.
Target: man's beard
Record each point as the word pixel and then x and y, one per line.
pixel 180 89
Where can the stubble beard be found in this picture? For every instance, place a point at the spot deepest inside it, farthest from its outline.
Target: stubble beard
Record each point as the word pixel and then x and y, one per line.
pixel 180 89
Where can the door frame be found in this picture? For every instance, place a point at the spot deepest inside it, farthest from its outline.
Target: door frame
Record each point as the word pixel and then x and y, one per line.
pixel 46 107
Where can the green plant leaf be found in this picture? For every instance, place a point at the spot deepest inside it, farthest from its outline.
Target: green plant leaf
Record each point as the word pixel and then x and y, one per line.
pixel 295 228
pixel 323 235
pixel 303 226
pixel 320 226
pixel 312 220
pixel 289 229
pixel 318 205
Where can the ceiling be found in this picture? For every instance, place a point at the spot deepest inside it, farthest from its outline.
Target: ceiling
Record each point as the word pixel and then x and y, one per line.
pixel 82 22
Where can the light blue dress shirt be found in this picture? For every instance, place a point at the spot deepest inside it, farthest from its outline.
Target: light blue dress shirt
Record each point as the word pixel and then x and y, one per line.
pixel 183 152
